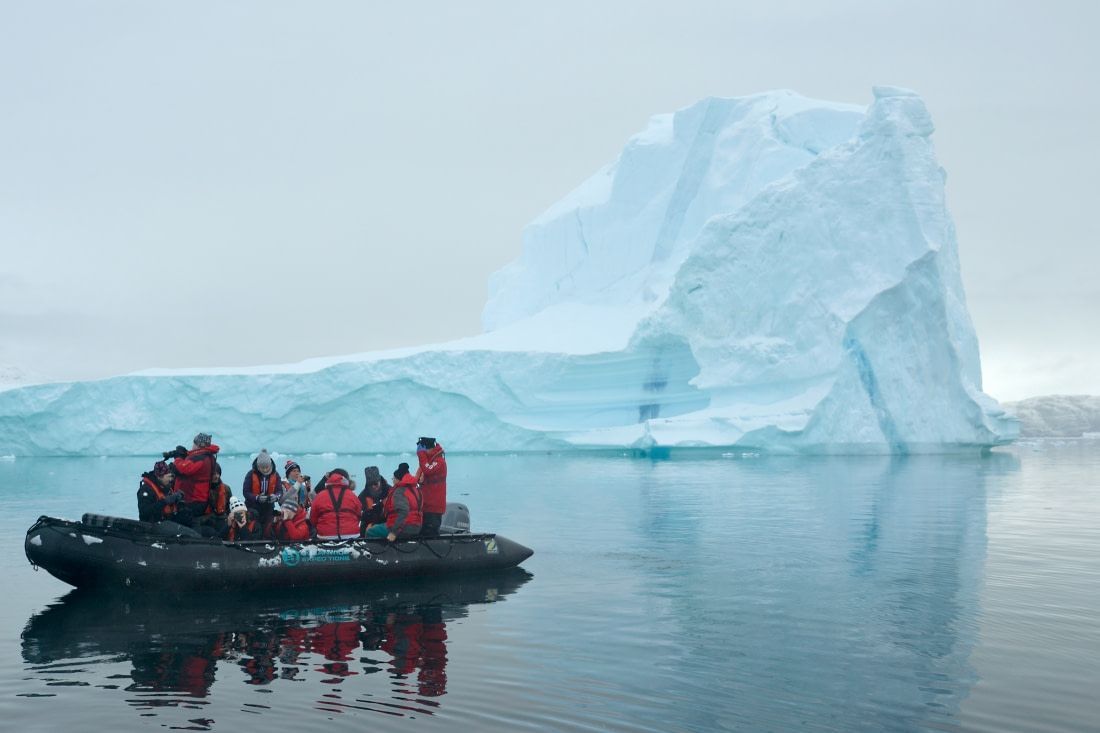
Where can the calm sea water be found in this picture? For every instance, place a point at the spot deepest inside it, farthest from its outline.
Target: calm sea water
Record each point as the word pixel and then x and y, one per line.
pixel 695 594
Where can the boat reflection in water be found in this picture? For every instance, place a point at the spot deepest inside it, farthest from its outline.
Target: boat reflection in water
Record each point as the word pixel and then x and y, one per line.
pixel 177 650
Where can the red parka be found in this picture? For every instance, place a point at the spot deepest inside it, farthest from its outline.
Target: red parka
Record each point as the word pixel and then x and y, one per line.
pixel 433 479
pixel 336 512
pixel 415 516
pixel 194 472
pixel 295 529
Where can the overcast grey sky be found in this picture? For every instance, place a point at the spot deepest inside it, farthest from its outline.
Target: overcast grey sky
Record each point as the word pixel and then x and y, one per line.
pixel 233 183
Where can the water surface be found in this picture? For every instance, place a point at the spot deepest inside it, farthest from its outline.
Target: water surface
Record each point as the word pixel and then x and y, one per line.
pixel 701 593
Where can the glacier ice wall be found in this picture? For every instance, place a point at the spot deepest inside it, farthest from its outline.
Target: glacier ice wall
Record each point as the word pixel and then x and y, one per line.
pixel 769 272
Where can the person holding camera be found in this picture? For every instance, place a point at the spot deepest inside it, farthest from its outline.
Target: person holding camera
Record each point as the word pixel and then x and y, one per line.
pixel 194 471
pixel 155 497
pixel 263 487
pixel 432 477
pixel 297 485
pixel 241 524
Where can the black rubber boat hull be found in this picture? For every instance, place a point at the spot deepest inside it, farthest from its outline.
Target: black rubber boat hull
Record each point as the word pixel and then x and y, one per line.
pixel 132 556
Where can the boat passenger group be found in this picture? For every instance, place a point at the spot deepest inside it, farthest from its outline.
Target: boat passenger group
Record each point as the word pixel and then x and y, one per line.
pixel 189 490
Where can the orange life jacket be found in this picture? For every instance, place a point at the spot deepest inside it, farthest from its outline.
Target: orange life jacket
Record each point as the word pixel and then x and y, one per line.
pixel 265 485
pixel 219 499
pixel 169 509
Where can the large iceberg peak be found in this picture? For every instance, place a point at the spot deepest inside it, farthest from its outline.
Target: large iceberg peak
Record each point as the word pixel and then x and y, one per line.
pixel 619 237
pixel 770 272
pixel 900 108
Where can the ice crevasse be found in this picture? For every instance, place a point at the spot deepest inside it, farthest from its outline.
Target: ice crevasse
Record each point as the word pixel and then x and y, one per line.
pixel 772 273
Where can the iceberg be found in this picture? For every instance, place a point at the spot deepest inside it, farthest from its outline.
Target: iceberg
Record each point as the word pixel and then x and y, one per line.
pixel 1058 416
pixel 770 273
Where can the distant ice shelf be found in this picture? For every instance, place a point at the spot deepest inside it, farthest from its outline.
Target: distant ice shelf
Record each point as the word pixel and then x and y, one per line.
pixel 770 273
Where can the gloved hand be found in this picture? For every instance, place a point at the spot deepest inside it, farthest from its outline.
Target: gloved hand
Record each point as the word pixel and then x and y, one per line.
pixel 174 497
pixel 181 452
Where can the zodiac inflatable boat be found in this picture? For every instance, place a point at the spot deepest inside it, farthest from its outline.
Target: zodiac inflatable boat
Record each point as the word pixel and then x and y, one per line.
pixel 114 553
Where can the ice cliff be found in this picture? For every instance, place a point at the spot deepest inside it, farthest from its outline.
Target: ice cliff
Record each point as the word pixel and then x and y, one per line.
pixel 769 272
pixel 1058 416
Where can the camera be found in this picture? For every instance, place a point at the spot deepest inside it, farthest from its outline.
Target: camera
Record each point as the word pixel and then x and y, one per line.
pixel 305 478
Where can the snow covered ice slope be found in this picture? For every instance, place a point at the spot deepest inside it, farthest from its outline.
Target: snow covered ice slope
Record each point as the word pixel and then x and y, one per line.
pixel 770 272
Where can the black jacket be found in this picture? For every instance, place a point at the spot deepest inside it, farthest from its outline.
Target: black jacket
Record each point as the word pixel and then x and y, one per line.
pixel 375 514
pixel 150 506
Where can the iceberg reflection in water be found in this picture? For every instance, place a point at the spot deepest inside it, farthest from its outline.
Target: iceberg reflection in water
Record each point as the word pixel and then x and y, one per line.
pixel 700 593
pixel 177 648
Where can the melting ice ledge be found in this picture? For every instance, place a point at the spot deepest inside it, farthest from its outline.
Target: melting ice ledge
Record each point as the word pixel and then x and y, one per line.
pixel 768 273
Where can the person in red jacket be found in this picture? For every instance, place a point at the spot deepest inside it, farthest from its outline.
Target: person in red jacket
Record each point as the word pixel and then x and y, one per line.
pixel 402 505
pixel 432 477
pixel 336 509
pixel 290 523
pixel 194 471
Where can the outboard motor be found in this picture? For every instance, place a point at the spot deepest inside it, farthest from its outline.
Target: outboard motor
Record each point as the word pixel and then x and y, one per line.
pixel 456 520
